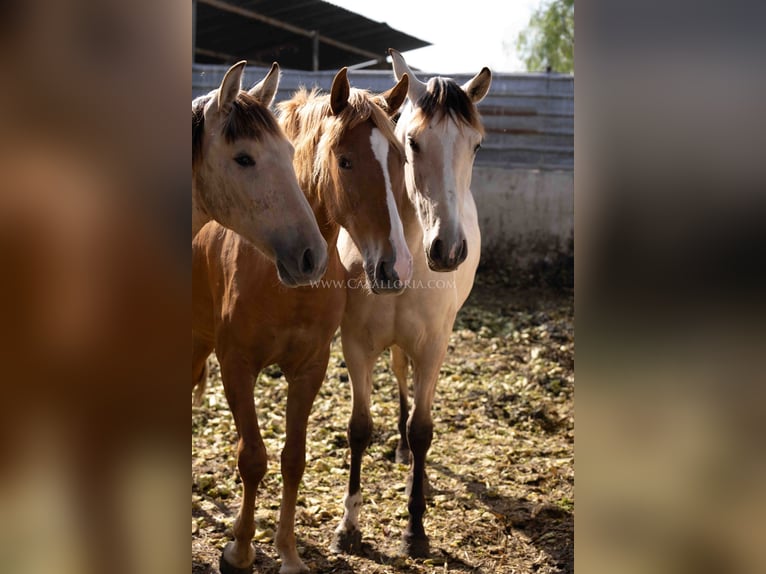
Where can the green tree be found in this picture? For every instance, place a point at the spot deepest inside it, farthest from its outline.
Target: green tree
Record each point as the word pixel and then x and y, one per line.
pixel 548 40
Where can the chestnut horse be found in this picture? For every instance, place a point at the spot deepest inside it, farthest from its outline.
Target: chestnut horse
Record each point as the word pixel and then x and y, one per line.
pixel 441 131
pixel 350 164
pixel 243 177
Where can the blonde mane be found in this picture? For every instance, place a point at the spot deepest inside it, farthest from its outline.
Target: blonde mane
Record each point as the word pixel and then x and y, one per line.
pixel 314 131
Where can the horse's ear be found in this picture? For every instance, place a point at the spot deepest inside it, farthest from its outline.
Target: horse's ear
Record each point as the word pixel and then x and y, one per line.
pixel 265 90
pixel 230 87
pixel 339 92
pixel 416 87
pixel 393 99
pixel 478 86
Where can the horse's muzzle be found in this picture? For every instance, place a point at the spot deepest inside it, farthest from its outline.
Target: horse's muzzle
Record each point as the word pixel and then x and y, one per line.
pixel 310 266
pixel 443 258
pixel 385 280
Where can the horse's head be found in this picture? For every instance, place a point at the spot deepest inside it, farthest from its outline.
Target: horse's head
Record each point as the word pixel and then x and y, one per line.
pixel 243 176
pixel 441 131
pixel 358 171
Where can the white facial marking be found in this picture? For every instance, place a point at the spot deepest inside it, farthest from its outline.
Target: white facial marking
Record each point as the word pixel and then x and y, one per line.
pixel 450 139
pixel 403 265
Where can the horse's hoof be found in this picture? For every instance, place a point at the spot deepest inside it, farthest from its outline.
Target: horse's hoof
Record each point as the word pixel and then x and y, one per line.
pixel 415 547
pixel 403 455
pixel 346 541
pixel 227 568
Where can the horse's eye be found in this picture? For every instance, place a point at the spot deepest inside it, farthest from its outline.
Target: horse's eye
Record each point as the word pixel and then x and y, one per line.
pixel 477 148
pixel 344 162
pixel 245 160
pixel 413 144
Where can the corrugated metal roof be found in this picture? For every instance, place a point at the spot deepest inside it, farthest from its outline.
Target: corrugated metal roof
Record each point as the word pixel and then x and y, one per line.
pixel 263 31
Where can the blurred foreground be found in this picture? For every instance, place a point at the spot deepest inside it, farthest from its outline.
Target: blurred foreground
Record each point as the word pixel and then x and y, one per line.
pixel 94 290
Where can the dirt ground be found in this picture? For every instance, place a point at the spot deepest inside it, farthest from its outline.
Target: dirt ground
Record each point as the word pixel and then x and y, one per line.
pixel 501 466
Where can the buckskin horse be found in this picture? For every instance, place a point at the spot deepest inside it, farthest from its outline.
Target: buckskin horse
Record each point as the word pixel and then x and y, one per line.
pixel 243 176
pixel 441 131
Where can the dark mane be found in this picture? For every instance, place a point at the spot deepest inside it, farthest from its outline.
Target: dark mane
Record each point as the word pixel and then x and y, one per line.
pixel 198 127
pixel 444 96
pixel 248 119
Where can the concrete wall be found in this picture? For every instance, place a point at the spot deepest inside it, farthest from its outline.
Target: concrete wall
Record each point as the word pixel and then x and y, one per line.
pixel 527 221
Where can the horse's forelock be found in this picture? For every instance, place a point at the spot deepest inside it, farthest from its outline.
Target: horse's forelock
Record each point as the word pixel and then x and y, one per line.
pixel 444 97
pixel 248 119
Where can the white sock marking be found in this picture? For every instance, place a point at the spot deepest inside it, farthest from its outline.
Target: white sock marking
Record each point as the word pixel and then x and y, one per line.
pixel 353 505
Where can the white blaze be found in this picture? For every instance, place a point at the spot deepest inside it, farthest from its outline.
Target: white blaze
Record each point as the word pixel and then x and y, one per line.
pixel 403 265
pixel 449 182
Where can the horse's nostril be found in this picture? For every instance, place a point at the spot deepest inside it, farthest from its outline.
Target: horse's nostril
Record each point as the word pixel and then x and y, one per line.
pixel 307 261
pixel 436 250
pixel 384 272
pixel 463 253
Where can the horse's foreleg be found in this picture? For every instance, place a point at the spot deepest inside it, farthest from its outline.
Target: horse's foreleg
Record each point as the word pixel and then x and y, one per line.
pixel 302 390
pixel 420 426
pixel 239 555
pixel 400 364
pixel 348 536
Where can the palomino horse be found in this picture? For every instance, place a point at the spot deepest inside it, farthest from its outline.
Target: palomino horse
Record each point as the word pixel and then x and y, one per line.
pixel 441 130
pixel 243 177
pixel 350 164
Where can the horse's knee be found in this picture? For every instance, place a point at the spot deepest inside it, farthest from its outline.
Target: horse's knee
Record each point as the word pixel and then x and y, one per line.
pixel 359 433
pixel 252 461
pixel 419 435
pixel 293 463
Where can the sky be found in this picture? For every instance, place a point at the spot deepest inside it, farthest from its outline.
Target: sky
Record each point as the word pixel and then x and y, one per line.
pixel 466 35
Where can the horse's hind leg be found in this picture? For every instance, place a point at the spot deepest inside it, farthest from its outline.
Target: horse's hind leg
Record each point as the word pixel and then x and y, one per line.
pixel 301 392
pixel 200 385
pixel 348 536
pixel 200 352
pixel 238 556
pixel 400 364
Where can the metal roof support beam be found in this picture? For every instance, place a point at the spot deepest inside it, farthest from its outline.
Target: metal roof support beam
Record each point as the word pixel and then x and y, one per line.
pixel 244 12
pixel 225 58
pixel 362 65
pixel 315 50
